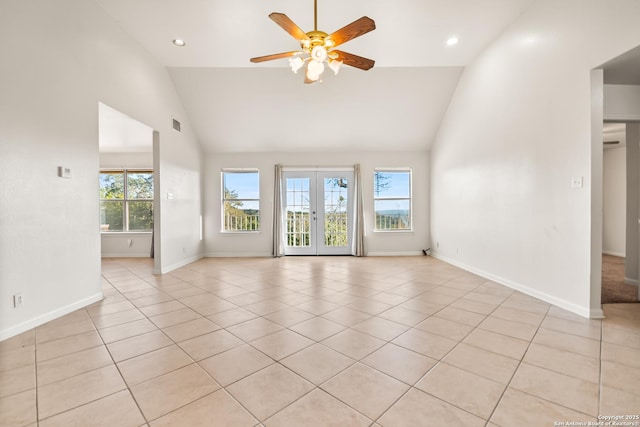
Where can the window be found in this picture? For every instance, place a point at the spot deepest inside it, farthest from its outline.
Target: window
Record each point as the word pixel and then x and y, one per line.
pixel 240 200
pixel 126 200
pixel 392 199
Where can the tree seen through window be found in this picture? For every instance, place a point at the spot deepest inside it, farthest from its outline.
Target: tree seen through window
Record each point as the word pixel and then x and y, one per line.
pixel 126 200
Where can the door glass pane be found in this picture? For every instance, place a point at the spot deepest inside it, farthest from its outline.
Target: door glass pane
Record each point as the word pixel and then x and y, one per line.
pixel 335 212
pixel 298 212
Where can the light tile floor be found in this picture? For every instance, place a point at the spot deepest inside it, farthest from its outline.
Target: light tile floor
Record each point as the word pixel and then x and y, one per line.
pixel 307 341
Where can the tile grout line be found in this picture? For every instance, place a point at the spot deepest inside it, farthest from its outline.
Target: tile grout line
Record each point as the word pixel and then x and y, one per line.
pixel 197 363
pixel 144 417
pixel 315 342
pixel 174 370
pixel 128 388
pixel 315 387
pixel 517 368
pixel 542 398
pixel 351 327
pixel 413 386
pixel 82 373
pixel 410 328
pixel 113 362
pixel 35 361
pixel 441 360
pixel 600 382
pixel 459 341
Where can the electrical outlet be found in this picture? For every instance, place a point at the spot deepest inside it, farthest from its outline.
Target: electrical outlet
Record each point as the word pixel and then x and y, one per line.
pixel 17 300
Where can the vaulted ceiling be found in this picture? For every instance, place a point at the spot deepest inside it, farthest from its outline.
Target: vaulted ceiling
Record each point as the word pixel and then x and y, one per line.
pixel 234 105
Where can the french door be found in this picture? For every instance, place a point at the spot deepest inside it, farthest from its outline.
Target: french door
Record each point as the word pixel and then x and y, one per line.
pixel 318 212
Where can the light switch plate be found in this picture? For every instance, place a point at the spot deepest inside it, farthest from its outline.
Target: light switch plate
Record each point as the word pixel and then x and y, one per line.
pixel 64 172
pixel 576 182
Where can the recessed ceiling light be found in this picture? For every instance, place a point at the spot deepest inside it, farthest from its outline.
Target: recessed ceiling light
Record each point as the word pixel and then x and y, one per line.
pixel 452 41
pixel 179 42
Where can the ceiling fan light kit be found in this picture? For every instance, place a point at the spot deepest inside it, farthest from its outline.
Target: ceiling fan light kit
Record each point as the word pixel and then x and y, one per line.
pixel 317 47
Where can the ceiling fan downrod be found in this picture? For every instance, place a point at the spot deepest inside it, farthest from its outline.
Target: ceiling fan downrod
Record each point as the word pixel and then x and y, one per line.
pixel 315 15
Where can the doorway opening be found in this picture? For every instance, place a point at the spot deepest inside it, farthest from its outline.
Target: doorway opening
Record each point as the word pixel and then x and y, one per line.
pixel 129 204
pixel 612 85
pixel 620 238
pixel 318 212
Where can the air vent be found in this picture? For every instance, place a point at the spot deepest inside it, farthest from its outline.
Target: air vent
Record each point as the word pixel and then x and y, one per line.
pixel 176 125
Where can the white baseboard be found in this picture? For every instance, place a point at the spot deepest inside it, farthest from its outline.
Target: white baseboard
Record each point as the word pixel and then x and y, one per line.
pixel 182 263
pixel 618 254
pixel 47 317
pixel 269 255
pixel 238 254
pixel 400 253
pixel 567 305
pixel 628 281
pixel 127 255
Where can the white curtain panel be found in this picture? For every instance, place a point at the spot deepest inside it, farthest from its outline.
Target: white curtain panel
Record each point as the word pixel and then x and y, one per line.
pixel 278 228
pixel 358 218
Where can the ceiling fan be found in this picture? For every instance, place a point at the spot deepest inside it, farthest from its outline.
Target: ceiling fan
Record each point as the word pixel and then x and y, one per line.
pixel 318 46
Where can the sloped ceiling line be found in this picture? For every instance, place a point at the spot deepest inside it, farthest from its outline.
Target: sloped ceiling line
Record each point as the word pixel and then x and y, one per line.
pixel 238 106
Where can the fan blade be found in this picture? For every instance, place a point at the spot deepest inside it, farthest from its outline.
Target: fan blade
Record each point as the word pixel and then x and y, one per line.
pixel 289 26
pixel 352 60
pixel 355 29
pixel 274 56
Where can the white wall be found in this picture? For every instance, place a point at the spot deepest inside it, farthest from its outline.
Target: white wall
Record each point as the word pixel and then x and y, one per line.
pixel 126 160
pixel 621 102
pixel 259 244
pixel 125 245
pixel 62 59
pixel 517 132
pixel 614 204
